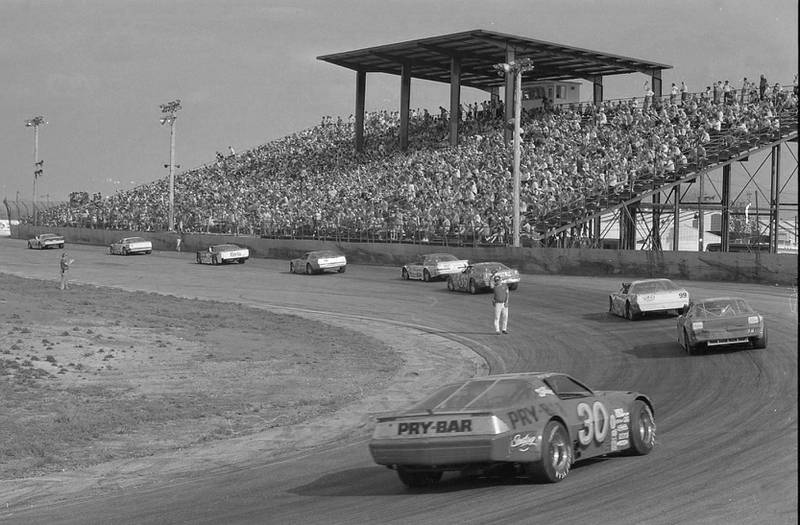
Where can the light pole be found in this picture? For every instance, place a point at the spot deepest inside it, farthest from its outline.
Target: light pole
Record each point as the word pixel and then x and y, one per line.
pixel 517 68
pixel 168 110
pixel 38 166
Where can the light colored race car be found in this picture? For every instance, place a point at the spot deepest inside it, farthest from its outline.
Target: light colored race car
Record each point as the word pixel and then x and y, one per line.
pixel 720 321
pixel 223 253
pixel 130 245
pixel 319 261
pixel 44 241
pixel 478 277
pixel 432 266
pixel 531 424
pixel 637 298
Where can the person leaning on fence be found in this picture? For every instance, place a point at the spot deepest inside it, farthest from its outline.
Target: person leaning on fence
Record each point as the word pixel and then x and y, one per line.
pixel 500 303
pixel 64 264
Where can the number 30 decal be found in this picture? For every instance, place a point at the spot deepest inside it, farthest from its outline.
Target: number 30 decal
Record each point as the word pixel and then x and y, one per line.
pixel 595 423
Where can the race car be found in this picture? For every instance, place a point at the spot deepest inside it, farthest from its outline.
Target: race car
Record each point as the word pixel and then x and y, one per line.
pixel 636 298
pixel 318 261
pixel 223 253
pixel 431 266
pixel 46 240
pixel 478 277
pixel 532 424
pixel 720 321
pixel 129 245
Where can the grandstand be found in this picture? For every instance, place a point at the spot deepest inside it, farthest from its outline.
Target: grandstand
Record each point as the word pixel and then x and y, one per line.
pixel 582 165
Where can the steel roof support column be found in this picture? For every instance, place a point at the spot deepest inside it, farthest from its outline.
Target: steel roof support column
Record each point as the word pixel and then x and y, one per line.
pixel 701 212
pixel 775 197
pixel 405 103
pixel 455 99
pixel 655 83
pixel 508 114
pixel 655 231
pixel 676 217
pixel 725 225
pixel 597 87
pixel 361 91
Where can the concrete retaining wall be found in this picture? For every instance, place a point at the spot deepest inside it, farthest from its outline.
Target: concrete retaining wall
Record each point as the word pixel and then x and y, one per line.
pixel 706 266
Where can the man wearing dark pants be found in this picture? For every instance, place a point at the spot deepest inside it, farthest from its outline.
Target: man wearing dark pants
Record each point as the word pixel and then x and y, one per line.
pixel 500 302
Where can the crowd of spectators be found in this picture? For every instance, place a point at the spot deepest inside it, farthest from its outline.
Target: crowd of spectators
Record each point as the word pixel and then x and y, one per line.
pixel 314 183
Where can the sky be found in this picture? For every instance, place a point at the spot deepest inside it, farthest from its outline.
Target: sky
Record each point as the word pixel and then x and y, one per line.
pixel 246 71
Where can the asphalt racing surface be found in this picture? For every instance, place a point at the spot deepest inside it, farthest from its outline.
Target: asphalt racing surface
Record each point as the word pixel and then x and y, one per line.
pixel 726 445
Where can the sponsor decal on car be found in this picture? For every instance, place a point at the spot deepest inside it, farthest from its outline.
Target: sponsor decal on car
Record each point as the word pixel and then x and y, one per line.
pixel 434 427
pixel 545 391
pixel 524 443
pixel 522 416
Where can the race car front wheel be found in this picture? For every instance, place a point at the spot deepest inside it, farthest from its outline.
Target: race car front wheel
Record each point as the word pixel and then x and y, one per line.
pixel 291 267
pixel 309 271
pixel 450 285
pixel 472 288
pixel 557 455
pixel 413 479
pixel 643 429
pixel 405 274
pixel 761 342
pixel 426 275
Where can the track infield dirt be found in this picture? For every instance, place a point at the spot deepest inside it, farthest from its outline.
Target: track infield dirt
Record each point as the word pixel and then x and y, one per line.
pixel 104 388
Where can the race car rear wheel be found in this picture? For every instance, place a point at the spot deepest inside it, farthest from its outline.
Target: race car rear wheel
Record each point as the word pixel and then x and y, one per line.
pixel 414 479
pixel 426 276
pixel 472 288
pixel 198 259
pixel 30 247
pixel 342 269
pixel 691 348
pixel 513 286
pixel 450 285
pixel 557 455
pixel 291 267
pixel 761 342
pixel 214 259
pixel 309 271
pixel 404 275
pixel 629 315
pixel 643 429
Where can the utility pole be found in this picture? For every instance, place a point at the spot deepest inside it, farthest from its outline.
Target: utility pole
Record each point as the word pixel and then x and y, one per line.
pixel 38 166
pixel 168 110
pixel 517 68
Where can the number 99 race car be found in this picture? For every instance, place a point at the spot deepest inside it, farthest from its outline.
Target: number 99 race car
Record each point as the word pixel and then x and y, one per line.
pixel 647 295
pixel 531 424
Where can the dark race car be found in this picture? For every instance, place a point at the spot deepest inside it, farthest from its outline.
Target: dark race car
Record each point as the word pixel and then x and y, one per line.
pixel 223 254
pixel 44 241
pixel 478 277
pixel 433 266
pixel 720 321
pixel 319 261
pixel 531 424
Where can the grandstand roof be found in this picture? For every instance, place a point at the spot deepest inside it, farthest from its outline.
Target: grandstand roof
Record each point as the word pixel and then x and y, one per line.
pixel 479 50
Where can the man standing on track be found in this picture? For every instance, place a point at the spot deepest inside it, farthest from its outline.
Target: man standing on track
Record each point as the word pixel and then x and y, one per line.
pixel 64 264
pixel 500 302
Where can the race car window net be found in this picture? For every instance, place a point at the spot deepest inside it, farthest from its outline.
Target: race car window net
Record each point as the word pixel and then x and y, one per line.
pixel 727 308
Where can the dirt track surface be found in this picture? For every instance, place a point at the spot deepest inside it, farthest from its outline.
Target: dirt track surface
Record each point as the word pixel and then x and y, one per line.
pixel 727 421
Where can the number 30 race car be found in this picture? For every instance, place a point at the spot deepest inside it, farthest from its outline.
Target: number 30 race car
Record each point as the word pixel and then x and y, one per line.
pixel 530 424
